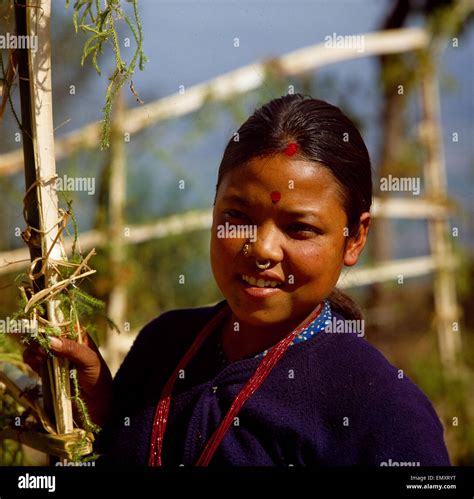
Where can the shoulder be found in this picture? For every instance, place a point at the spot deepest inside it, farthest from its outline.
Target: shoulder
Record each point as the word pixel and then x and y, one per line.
pixel 398 417
pixel 144 371
pixel 160 344
pixel 177 323
pixel 357 363
pixel 180 322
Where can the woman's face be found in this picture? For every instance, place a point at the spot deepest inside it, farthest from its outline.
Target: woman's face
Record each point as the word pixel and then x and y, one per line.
pixel 303 236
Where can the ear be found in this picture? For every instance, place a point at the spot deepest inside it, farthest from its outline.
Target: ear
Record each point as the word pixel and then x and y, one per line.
pixel 356 244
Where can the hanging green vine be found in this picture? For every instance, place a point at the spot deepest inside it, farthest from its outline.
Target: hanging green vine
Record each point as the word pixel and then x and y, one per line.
pixel 99 23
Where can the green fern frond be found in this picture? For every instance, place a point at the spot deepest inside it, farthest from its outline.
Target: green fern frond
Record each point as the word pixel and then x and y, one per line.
pixel 100 22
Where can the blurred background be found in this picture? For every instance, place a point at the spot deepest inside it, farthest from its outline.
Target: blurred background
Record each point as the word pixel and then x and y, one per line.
pixel 152 235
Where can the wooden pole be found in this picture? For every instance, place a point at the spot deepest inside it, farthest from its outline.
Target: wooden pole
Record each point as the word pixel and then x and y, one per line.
pixel 192 220
pixel 33 20
pixel 235 82
pixel 117 301
pixel 447 310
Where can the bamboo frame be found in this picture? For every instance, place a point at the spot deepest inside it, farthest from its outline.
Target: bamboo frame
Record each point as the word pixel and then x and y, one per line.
pixel 38 17
pixel 435 208
pixel 19 386
pixel 234 82
pixel 77 442
pixel 399 208
pixel 363 276
pixel 41 215
pixel 448 312
pixel 117 199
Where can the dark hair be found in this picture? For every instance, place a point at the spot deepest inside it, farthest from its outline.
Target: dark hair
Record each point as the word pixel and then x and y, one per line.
pixel 324 135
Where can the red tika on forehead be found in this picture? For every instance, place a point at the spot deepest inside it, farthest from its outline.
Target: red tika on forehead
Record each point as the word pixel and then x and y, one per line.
pixel 291 149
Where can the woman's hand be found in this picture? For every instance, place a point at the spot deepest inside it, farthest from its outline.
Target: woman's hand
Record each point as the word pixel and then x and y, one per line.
pixel 93 374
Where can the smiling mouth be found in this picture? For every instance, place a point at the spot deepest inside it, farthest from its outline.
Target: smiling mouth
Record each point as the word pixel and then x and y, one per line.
pixel 260 283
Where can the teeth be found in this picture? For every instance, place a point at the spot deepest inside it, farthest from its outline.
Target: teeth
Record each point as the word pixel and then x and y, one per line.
pixel 260 283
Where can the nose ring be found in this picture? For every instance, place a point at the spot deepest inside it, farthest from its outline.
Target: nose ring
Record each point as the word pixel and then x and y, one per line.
pixel 263 266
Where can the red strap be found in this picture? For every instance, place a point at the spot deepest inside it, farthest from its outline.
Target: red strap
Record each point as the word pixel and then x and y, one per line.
pixel 263 370
pixel 163 407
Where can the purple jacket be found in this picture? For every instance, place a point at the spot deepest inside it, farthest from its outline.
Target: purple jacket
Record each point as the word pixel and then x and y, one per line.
pixel 331 400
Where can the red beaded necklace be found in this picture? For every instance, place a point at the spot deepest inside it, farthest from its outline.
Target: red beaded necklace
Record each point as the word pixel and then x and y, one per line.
pixel 263 370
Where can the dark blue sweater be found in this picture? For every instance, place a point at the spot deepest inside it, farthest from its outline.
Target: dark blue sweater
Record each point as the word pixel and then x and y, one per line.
pixel 331 400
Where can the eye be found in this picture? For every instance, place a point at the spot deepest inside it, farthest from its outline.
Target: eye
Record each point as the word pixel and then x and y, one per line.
pixel 235 214
pixel 303 229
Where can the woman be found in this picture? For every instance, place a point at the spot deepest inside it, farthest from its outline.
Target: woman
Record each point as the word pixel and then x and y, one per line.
pixel 265 377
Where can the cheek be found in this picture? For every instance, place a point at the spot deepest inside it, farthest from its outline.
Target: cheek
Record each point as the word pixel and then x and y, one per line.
pixel 321 261
pixel 223 252
pixel 308 261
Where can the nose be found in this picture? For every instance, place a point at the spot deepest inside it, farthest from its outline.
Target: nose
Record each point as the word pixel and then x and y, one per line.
pixel 268 243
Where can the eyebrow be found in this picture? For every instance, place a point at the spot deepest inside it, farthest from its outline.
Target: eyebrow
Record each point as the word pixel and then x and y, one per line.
pixel 244 202
pixel 237 199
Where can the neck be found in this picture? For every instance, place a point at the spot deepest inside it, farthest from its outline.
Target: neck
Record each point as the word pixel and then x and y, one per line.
pixel 250 339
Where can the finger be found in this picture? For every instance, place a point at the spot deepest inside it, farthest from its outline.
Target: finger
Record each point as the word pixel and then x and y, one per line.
pixel 81 355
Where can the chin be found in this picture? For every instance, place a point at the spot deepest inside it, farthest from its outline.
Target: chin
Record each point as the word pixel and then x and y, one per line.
pixel 258 316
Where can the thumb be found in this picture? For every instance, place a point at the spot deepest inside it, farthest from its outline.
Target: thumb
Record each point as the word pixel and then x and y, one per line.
pixel 81 355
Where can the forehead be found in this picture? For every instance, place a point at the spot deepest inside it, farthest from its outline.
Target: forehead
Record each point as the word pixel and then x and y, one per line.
pixel 307 181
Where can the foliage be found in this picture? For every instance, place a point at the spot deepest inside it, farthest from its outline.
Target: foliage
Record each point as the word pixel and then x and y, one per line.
pixel 449 395
pixel 75 305
pixel 10 450
pixel 99 23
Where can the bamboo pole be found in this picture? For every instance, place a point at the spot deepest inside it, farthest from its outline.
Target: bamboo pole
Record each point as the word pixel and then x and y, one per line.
pixel 117 301
pixel 12 261
pixel 447 310
pixel 391 270
pixel 362 276
pixel 181 223
pixel 24 390
pixel 77 442
pixel 414 208
pixel 238 81
pixel 41 204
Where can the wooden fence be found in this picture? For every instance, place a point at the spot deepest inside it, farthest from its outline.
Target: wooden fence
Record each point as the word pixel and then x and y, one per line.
pixel 433 206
